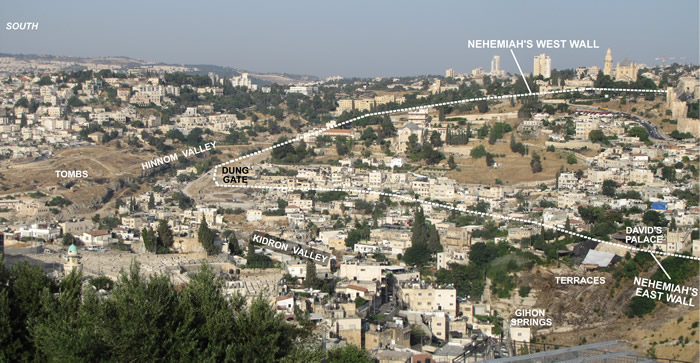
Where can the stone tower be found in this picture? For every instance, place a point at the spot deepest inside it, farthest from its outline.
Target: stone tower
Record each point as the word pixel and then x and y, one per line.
pixel 607 67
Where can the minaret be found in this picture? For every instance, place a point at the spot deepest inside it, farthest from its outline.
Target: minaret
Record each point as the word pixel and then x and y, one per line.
pixel 73 260
pixel 607 69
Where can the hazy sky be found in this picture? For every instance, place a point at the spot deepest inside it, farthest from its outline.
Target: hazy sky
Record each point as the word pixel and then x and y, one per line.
pixel 352 38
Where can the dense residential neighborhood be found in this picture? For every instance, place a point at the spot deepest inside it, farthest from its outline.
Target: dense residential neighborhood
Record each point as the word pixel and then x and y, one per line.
pixel 444 220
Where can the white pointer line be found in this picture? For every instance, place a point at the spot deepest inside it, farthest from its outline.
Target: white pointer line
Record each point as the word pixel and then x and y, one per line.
pixel 521 70
pixel 659 263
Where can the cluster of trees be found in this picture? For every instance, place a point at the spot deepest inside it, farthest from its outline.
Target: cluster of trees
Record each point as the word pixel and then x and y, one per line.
pixel 281 205
pixel 182 200
pixel 59 201
pixel 235 137
pixel 361 232
pixel 469 280
pixel 160 240
pixel 92 127
pixel 311 108
pixel 639 132
pixel 691 197
pixel 654 219
pixel 255 260
pixel 288 154
pixel 425 152
pixel 326 197
pixel 343 145
pixel 610 189
pixel 457 136
pixel 668 172
pixel 480 152
pixel 498 131
pixel 205 236
pixel 604 219
pixel 681 135
pixel 146 319
pixel 598 137
pixel 425 240
pixel 530 105
pixel 385 129
pixel 435 139
pixel 517 146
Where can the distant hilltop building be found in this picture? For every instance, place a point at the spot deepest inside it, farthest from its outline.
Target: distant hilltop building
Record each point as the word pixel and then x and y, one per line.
pixel 496 66
pixel 542 66
pixel 304 90
pixel 450 73
pixel 334 78
pixel 607 65
pixel 626 71
pixel 243 80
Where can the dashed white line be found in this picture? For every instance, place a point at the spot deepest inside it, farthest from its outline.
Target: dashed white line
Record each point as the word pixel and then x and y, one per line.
pixel 447 206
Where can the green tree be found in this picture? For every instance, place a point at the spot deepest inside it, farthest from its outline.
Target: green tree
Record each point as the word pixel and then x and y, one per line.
pixel 311 279
pixel 341 146
pixel 571 159
pixel 435 139
pixel 74 101
pixel 68 239
pixel 492 136
pixel 387 127
pixel 412 147
pixel 149 239
pixel 482 253
pixel 204 317
pixel 654 218
pixel 368 136
pixel 639 132
pixel 482 106
pixel 205 236
pixel 668 173
pixel 22 289
pixel 165 234
pixel 234 248
pixel 609 188
pixel 151 201
pixel 267 337
pixel 349 353
pixel 451 162
pixel 478 152
pixel 433 239
pixel 597 136
pixel 524 290
pixel 535 163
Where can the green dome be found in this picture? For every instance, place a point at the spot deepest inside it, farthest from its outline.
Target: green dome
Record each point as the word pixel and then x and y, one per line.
pixel 72 248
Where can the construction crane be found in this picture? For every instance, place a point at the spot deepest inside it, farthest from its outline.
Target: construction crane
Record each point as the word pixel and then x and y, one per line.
pixel 664 58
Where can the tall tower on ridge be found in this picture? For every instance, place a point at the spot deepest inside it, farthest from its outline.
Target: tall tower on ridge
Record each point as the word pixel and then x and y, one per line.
pixel 607 68
pixel 495 65
pixel 542 66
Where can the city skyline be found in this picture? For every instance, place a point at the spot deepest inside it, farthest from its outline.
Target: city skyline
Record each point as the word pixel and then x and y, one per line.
pixel 285 38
